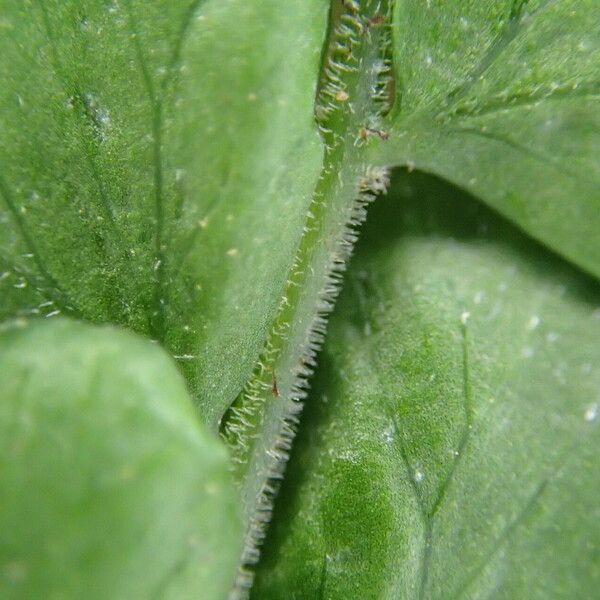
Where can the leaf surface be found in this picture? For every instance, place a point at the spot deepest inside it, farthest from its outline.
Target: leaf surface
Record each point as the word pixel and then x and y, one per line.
pixel 161 169
pixel 164 170
pixel 450 444
pixel 501 97
pixel 157 161
pixel 110 487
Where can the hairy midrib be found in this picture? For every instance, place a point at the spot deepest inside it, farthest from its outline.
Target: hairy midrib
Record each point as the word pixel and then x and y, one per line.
pixel 260 425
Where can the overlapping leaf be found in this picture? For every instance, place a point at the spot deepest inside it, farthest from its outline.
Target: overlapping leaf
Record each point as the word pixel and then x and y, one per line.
pixel 502 98
pixel 159 167
pixel 110 487
pixel 157 160
pixel 450 447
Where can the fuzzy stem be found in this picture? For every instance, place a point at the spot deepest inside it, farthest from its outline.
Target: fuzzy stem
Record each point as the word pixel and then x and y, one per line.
pixel 260 425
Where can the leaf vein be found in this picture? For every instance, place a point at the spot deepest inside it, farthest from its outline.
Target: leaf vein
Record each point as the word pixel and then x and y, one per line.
pixel 54 291
pixel 468 427
pixel 59 71
pixel 538 156
pixel 157 323
pixel 585 91
pixel 515 23
pixel 508 531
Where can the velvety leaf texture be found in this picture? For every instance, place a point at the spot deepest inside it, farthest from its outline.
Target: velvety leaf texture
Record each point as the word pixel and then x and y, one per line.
pixel 196 172
pixel 110 487
pixel 449 448
pixel 501 97
pixel 145 153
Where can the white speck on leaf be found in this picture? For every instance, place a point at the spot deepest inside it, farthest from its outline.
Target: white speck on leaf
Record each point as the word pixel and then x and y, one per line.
pixel 527 352
pixel 184 356
pixel 388 435
pixel 591 412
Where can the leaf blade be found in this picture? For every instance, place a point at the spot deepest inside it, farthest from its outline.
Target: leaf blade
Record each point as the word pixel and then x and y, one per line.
pixel 453 423
pixel 501 98
pixel 146 151
pixel 110 486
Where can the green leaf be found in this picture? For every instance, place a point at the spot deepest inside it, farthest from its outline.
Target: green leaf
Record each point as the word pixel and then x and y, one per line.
pixel 450 447
pixel 165 166
pixel 501 98
pixel 146 153
pixel 164 170
pixel 110 488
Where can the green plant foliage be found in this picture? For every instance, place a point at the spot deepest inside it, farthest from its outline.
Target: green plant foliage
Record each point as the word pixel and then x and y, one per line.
pixel 146 151
pixel 501 98
pixel 110 487
pixel 195 171
pixel 449 448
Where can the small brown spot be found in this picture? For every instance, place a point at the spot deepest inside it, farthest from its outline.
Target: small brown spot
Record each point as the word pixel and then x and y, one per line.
pixel 341 96
pixel 365 132
pixel 375 20
pixel 384 135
